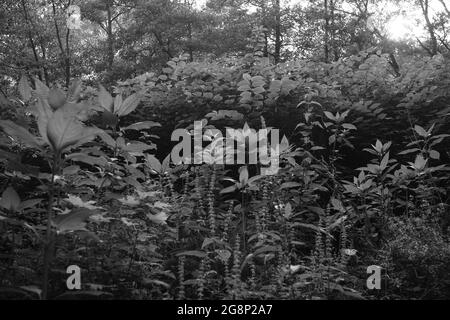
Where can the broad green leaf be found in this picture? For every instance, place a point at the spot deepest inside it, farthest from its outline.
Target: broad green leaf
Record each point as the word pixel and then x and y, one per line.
pixel 243 175
pixel 20 133
pixel 78 202
pixel 409 151
pixel 137 147
pixel 10 199
pixel 44 114
pixel 33 289
pixel 107 139
pixel 56 98
pixel 130 201
pixel 73 94
pixel 165 166
pixel 41 89
pixel 421 131
pixel 349 126
pixel 118 100
pixel 228 189
pixel 154 163
pixel 30 203
pixel 82 157
pixel 329 115
pixel 159 218
pixel 384 162
pixel 65 130
pixel 128 105
pixel 105 99
pixel 337 204
pixel 72 221
pixel 142 125
pixel 420 162
pixel 287 185
pixel 434 154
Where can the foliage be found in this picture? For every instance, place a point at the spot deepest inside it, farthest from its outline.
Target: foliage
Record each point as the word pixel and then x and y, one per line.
pixel 363 179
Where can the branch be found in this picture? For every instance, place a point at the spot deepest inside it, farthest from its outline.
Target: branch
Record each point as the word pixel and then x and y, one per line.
pixel 425 47
pixel 445 7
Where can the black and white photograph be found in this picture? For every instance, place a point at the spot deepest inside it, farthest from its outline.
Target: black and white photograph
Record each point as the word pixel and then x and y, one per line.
pixel 223 155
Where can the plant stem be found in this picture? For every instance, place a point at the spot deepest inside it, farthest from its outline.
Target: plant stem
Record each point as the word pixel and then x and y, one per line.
pixel 243 210
pixel 49 233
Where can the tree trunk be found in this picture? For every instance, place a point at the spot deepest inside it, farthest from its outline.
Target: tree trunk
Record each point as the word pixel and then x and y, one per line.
pixel 277 51
pixel 64 52
pixel 326 31
pixel 30 37
pixel 333 32
pixel 110 53
pixel 424 4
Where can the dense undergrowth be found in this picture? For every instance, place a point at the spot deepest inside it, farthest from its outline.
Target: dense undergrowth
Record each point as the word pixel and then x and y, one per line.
pixel 87 180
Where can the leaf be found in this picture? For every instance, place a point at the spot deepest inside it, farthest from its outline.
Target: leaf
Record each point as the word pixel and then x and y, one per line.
pixel 129 105
pixel 78 202
pixel 287 185
pixel 73 221
pixel 44 114
pixel 228 189
pixel 409 151
pixel 419 163
pixel 159 218
pixel 24 88
pixel 20 133
pixel 41 89
pixel 421 131
pixel 105 99
pixel 288 210
pixel 378 146
pixel 165 166
pixel 30 203
pixel 10 199
pixel 157 282
pixel 33 289
pixel 243 175
pixel 130 201
pixel 337 204
pixel 154 163
pixel 349 126
pixel 82 157
pixel 65 130
pixel 193 253
pixel 73 94
pixel 252 180
pixel 137 147
pixel 434 154
pixel 329 115
pixel 117 103
pixel 258 90
pixel 384 162
pixel 56 98
pixel 142 125
pixel 265 249
pixel 107 139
